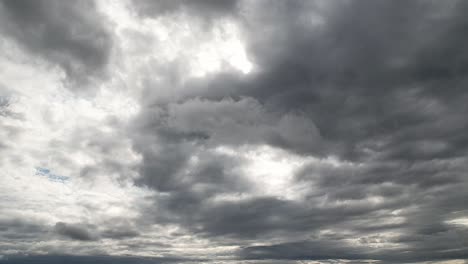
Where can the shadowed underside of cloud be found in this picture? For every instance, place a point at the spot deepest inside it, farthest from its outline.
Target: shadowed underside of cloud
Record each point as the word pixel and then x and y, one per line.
pixel 56 259
pixel 323 250
pixel 74 231
pixel 204 9
pixel 73 36
pixel 374 83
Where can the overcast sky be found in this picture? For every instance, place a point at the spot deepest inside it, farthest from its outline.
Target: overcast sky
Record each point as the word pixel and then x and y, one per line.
pixel 223 131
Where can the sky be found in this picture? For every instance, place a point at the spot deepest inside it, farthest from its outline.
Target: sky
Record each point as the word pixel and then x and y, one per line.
pixel 233 131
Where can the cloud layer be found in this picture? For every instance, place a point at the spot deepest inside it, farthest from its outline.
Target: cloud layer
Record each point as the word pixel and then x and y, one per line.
pixel 233 132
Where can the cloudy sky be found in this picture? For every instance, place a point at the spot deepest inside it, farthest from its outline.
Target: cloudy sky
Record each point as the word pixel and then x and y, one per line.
pixel 223 131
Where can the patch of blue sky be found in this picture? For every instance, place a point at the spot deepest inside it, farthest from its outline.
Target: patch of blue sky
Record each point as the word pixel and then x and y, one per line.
pixel 45 172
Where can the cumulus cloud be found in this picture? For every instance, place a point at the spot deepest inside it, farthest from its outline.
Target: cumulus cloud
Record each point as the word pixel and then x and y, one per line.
pixel 73 36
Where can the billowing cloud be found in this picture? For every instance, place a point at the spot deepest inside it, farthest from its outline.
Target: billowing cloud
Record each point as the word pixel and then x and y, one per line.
pixel 74 36
pixel 233 132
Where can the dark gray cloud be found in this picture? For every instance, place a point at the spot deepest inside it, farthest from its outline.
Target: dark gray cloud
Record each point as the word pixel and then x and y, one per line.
pixel 74 36
pixel 4 105
pixel 308 250
pixel 74 231
pixel 432 250
pixel 119 234
pixel 52 259
pixel 369 94
pixel 376 84
pixel 204 9
pixel 116 229
pixel 19 229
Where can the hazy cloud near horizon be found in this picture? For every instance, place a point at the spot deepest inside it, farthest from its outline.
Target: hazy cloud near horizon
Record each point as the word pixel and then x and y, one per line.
pixel 233 131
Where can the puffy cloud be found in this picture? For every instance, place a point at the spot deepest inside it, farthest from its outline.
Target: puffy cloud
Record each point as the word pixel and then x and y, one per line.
pixel 73 36
pixel 342 142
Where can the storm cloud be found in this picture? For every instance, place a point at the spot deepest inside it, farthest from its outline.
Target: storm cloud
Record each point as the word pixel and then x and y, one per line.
pixel 72 35
pixel 234 131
